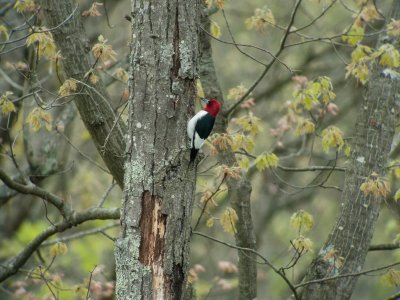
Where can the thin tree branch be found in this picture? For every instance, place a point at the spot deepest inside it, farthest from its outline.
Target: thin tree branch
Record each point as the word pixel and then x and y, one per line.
pixel 265 261
pixel 346 275
pixel 384 247
pixel 15 263
pixel 315 19
pixel 32 189
pixel 79 235
pixel 311 169
pixel 206 202
pixel 268 67
pixel 42 31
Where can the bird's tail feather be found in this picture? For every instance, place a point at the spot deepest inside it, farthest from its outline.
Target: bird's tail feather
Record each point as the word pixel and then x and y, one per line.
pixel 193 154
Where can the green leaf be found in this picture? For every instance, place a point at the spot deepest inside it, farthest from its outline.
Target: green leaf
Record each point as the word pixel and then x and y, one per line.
pixel 215 29
pixel 397 195
pixel 302 220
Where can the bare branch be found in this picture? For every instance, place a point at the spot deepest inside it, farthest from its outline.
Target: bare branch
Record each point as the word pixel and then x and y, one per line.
pixel 249 250
pixel 268 67
pixel 14 264
pixel 357 274
pixel 32 189
pixel 206 202
pixel 384 247
pixel 80 235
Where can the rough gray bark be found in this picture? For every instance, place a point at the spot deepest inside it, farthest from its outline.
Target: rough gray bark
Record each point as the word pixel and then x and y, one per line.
pixel 239 190
pixel 354 227
pixel 96 113
pixel 152 253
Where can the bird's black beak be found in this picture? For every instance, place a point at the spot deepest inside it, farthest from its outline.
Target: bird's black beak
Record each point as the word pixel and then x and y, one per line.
pixel 204 100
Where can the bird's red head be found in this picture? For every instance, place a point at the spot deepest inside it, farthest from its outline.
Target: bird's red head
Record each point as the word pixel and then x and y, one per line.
pixel 212 107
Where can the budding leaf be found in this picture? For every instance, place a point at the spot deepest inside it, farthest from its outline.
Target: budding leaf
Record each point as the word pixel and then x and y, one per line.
pixel 58 249
pixel 302 220
pixel 215 29
pixel 228 220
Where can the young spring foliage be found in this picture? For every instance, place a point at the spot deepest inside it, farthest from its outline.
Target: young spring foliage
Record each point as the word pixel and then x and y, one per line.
pixel 4 32
pixel 103 51
pixel 266 160
pixel 38 118
pixel 69 86
pixel 93 11
pixel 6 104
pixel 58 249
pixel 364 57
pixel 241 132
pixel 237 92
pixel 218 3
pixel 261 19
pixel 303 222
pixel 304 126
pixel 397 195
pixel 375 185
pixel 25 6
pixel 315 92
pixel 215 30
pixel 42 37
pixel 302 244
pixel 228 220
pixel 391 278
pixel 393 28
pixel 356 33
pixel 332 137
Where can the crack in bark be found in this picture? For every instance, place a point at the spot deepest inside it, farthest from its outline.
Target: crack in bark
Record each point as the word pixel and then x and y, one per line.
pixel 176 63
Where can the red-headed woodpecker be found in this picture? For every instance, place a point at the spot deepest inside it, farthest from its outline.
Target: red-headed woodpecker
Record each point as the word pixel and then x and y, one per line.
pixel 200 126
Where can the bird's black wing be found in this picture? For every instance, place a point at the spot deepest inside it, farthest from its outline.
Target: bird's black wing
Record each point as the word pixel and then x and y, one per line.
pixel 204 126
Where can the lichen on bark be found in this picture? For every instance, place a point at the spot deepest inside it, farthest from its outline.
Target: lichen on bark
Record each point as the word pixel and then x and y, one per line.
pixel 159 186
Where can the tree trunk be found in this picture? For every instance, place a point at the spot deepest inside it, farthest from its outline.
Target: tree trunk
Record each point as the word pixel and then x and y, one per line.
pixel 152 253
pixel 239 190
pixel 96 113
pixel 351 235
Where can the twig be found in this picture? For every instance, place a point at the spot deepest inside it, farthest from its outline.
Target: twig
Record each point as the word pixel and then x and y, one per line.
pixel 79 235
pixel 384 247
pixel 206 202
pixel 83 154
pixel 315 19
pixel 10 81
pixel 90 282
pixel 114 124
pixel 311 169
pixel 345 275
pixel 42 276
pixel 248 46
pixel 268 67
pixel 41 31
pixel 106 14
pixel 108 236
pixel 76 218
pixel 46 212
pixel 32 189
pixel 106 193
pixel 234 42
pixel 266 261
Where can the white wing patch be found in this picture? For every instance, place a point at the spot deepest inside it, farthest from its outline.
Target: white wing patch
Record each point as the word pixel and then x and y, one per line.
pixel 198 142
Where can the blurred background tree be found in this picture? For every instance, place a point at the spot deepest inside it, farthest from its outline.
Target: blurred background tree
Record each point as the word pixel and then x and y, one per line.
pixel 292 77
